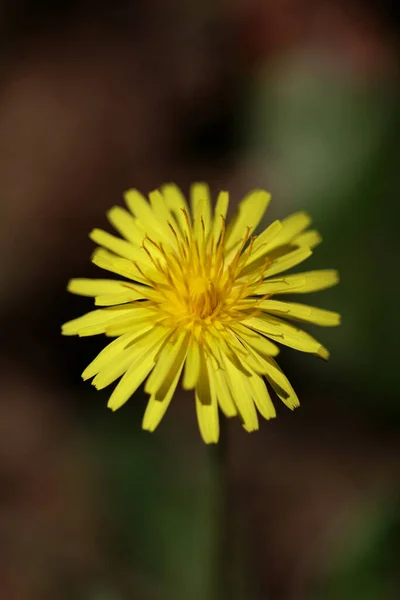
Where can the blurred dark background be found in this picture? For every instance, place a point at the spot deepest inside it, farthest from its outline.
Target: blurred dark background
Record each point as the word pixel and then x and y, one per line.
pixel 300 97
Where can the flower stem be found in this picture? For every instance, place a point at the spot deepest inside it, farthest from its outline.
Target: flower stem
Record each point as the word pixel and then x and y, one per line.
pixel 225 526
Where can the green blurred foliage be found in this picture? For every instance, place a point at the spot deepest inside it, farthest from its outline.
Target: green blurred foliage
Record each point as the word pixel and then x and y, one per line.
pixel 330 144
pixel 365 563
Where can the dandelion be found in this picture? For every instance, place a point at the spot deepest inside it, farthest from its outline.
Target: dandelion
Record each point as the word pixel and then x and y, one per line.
pixel 197 301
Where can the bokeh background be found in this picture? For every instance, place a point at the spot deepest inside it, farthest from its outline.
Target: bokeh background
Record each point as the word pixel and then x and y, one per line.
pixel 297 96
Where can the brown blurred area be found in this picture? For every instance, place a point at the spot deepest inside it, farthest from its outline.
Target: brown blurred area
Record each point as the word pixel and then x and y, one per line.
pixel 96 98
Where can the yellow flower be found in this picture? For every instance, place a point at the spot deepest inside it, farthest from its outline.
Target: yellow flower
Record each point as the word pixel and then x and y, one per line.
pixel 197 299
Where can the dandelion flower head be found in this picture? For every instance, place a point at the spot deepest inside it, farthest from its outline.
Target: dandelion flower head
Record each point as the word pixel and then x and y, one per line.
pixel 196 301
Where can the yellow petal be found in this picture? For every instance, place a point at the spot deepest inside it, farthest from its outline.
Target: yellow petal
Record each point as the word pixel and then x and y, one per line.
pixel 255 340
pixel 261 397
pixel 241 392
pixel 221 208
pixel 114 299
pixel 201 209
pixel 291 227
pixel 301 283
pixel 206 405
pixel 109 326
pixel 131 381
pixel 301 312
pixel 318 280
pixel 246 360
pixel 277 379
pixel 118 365
pixel 177 204
pixel 252 362
pixel 115 367
pixel 160 400
pixel 287 261
pixel 219 380
pixel 172 353
pixel 310 239
pixel 159 206
pixel 131 322
pixel 260 247
pixel 192 366
pixel 125 224
pixel 156 409
pixel 128 293
pixel 267 236
pixel 281 384
pixel 287 334
pixel 162 214
pixel 139 370
pixel 148 220
pixel 106 355
pixel 121 266
pixel 96 287
pixel 224 346
pixel 139 206
pixel 176 367
pixel 118 246
pixel 233 343
pixel 95 319
pixel 248 215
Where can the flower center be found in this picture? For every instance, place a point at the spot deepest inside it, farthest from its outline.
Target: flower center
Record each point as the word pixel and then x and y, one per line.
pixel 202 299
pixel 199 285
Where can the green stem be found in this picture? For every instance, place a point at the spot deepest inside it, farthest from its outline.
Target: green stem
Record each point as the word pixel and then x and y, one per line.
pixel 225 529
